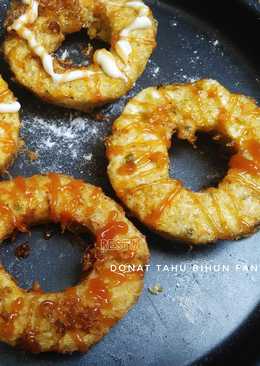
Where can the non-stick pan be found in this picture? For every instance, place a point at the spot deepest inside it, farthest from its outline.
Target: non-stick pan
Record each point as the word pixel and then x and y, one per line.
pixel 208 312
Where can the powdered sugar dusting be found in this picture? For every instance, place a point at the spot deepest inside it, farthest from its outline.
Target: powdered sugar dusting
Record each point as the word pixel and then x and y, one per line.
pixel 153 69
pixel 63 144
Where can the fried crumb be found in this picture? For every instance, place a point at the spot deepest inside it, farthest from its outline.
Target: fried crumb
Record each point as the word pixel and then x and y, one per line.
pixel 23 251
pixel 36 287
pixel 32 155
pixel 100 117
pixel 156 289
pixel 21 144
pixel 88 51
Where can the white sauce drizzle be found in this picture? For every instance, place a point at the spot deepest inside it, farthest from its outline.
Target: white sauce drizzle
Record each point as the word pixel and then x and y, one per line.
pixel 107 62
pixel 141 22
pixel 10 107
pixel 103 58
pixel 123 49
pixel 143 9
pixel 123 46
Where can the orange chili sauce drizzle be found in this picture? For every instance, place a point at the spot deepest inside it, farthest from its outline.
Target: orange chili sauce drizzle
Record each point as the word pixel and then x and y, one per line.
pixel 6 211
pixel 130 167
pixel 127 168
pixel 3 94
pixel 9 144
pixel 158 158
pixel 113 150
pixel 98 289
pixel 19 185
pixel 97 286
pixel 54 189
pixel 240 162
pixel 106 235
pixel 95 194
pixel 162 113
pixel 118 278
pixel 70 205
pixel 67 206
pixel 111 229
pixel 114 278
pixel 155 215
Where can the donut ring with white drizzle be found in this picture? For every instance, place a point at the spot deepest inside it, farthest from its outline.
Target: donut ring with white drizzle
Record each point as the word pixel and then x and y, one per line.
pixel 39 31
pixel 9 126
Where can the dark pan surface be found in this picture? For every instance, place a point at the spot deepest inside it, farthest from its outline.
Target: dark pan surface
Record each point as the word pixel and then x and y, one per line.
pixel 199 315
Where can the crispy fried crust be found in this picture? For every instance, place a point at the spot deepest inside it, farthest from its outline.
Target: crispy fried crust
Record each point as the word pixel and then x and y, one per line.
pixel 9 129
pixel 139 163
pixel 77 318
pixel 103 19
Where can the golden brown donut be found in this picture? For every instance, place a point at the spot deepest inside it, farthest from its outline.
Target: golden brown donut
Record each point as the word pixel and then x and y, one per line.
pixel 77 318
pixel 9 126
pixel 38 27
pixel 139 163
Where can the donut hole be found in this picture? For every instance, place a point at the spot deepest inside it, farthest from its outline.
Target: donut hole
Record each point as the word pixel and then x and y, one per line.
pixel 78 48
pixel 200 166
pixel 47 256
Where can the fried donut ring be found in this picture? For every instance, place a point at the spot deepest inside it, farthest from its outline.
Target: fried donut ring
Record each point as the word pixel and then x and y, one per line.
pixel 37 29
pixel 9 126
pixel 139 162
pixel 77 318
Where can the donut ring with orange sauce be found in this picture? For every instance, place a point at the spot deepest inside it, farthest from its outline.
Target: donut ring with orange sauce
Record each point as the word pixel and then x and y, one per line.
pixel 139 163
pixel 38 27
pixel 9 126
pixel 77 318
